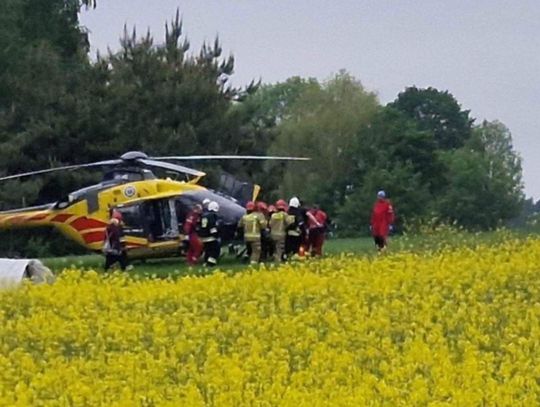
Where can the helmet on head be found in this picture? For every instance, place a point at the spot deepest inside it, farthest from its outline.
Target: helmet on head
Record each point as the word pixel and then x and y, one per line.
pixel 294 202
pixel 261 206
pixel 250 206
pixel 272 209
pixel 205 202
pixel 213 206
pixel 381 194
pixel 281 204
pixel 197 208
pixel 116 214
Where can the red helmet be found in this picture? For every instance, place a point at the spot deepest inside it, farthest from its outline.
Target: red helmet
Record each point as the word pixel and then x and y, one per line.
pixel 272 209
pixel 262 206
pixel 250 206
pixel 281 204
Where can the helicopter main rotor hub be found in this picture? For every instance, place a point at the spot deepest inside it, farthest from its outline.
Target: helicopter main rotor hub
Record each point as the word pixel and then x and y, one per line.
pixel 133 155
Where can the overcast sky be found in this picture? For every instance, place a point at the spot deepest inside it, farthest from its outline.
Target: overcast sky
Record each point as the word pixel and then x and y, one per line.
pixel 486 53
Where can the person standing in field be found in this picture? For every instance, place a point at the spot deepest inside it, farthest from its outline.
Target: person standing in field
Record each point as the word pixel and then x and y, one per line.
pixel 253 224
pixel 316 229
pixel 191 239
pixel 262 210
pixel 208 231
pixel 382 218
pixel 113 247
pixel 279 221
pixel 296 231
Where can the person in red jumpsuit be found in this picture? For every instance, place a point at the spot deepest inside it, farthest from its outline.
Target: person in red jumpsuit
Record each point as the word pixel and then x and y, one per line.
pixel 382 219
pixel 316 229
pixel 194 244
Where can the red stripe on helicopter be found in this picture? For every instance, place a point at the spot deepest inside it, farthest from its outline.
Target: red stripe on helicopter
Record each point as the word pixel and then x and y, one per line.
pixel 94 237
pixel 61 218
pixel 17 219
pixel 39 217
pixel 84 223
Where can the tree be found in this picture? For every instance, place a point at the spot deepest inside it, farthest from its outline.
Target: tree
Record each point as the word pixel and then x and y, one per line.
pixel 61 109
pixel 323 124
pixel 259 116
pixel 392 154
pixel 437 112
pixel 485 180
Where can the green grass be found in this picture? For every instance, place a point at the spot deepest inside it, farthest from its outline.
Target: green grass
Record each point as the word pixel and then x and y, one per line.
pixel 176 267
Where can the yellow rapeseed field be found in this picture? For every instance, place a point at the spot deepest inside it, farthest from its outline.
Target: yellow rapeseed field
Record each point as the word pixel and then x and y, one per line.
pixel 458 327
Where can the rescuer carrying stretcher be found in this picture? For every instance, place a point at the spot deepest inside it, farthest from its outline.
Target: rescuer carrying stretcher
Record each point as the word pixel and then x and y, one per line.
pixel 279 221
pixel 253 223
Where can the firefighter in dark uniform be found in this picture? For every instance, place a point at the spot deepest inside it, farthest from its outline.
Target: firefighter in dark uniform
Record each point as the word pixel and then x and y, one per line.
pixel 296 230
pixel 208 232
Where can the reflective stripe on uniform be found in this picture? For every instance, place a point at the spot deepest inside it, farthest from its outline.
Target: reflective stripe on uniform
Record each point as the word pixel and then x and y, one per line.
pixel 252 226
pixel 278 223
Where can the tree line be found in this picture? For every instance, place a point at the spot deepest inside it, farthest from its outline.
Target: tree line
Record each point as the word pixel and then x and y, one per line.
pixel 58 106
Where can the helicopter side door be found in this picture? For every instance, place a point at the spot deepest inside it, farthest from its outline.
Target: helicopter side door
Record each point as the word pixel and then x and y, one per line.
pixel 133 222
pixel 161 220
pixel 151 228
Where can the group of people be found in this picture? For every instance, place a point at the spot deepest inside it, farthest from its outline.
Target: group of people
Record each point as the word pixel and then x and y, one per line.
pixel 282 230
pixel 270 232
pixel 201 233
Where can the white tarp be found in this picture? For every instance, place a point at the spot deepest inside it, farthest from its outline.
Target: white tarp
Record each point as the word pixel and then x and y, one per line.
pixel 13 271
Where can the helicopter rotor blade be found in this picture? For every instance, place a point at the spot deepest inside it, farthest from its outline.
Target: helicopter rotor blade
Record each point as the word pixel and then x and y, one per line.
pixel 171 167
pixel 63 168
pixel 231 157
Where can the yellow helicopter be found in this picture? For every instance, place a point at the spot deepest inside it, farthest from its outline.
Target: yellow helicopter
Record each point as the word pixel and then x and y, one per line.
pixel 153 209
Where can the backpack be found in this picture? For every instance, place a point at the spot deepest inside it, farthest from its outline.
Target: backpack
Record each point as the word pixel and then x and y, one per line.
pixel 108 248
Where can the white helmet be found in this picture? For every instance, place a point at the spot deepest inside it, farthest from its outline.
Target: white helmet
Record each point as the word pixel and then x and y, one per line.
pixel 213 206
pixel 205 202
pixel 294 202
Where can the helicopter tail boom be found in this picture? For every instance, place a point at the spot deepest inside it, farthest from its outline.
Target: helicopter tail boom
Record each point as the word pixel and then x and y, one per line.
pixel 86 231
pixel 29 217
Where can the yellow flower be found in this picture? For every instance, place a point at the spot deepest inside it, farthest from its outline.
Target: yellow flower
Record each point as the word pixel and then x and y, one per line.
pixel 456 327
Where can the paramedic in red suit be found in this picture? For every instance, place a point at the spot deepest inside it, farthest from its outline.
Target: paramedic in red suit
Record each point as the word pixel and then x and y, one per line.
pixel 317 229
pixel 194 244
pixel 382 219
